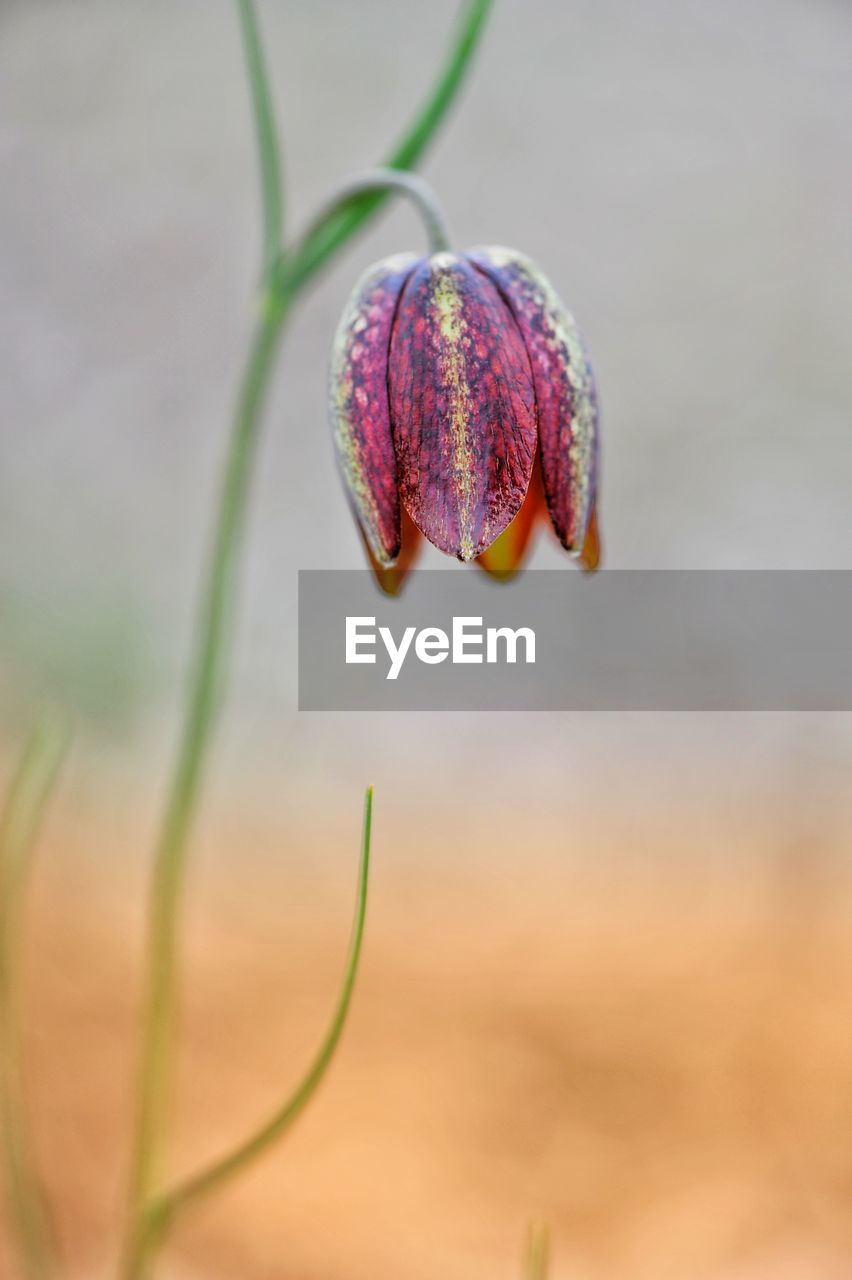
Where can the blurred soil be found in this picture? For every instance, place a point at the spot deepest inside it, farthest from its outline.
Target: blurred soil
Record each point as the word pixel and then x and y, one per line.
pixel 656 1057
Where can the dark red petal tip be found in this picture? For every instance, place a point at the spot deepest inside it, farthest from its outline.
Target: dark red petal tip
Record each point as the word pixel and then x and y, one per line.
pixel 390 578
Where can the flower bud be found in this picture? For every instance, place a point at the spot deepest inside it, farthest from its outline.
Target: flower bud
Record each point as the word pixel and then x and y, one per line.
pixel 452 377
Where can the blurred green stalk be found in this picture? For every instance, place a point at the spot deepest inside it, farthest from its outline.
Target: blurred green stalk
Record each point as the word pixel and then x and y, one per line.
pixel 28 797
pixel 538 1252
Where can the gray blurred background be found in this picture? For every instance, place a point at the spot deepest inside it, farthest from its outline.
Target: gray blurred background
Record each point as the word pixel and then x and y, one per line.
pixel 683 173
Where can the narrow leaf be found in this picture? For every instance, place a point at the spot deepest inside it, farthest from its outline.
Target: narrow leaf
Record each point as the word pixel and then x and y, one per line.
pixel 164 1210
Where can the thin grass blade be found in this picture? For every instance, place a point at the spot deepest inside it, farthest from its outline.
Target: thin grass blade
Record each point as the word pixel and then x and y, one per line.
pixel 166 1208
pixel 27 800
pixel 538 1252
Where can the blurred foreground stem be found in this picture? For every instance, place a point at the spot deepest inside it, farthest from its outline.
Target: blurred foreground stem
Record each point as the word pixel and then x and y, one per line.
pixel 25 807
pixel 538 1252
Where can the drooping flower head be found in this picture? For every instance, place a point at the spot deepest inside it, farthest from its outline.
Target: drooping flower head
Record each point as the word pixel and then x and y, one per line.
pixel 463 403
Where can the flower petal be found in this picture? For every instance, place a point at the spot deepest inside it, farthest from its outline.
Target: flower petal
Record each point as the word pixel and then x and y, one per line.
pixel 358 404
pixel 504 557
pixel 462 406
pixel 391 577
pixel 564 388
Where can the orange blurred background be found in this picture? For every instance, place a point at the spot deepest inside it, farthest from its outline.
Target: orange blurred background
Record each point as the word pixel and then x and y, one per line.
pixel 631 1025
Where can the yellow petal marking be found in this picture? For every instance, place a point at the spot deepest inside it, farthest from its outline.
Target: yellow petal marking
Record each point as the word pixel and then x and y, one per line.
pixel 453 332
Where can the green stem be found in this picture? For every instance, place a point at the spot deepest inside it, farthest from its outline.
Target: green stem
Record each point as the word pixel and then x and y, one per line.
pixel 27 800
pixel 280 286
pixel 211 647
pixel 333 234
pixel 386 181
pixel 268 150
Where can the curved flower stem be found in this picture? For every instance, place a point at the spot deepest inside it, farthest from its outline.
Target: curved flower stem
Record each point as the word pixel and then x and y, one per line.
pixel 283 277
pixel 268 150
pixel 168 1206
pixel 28 797
pixel 385 181
pixel 325 240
